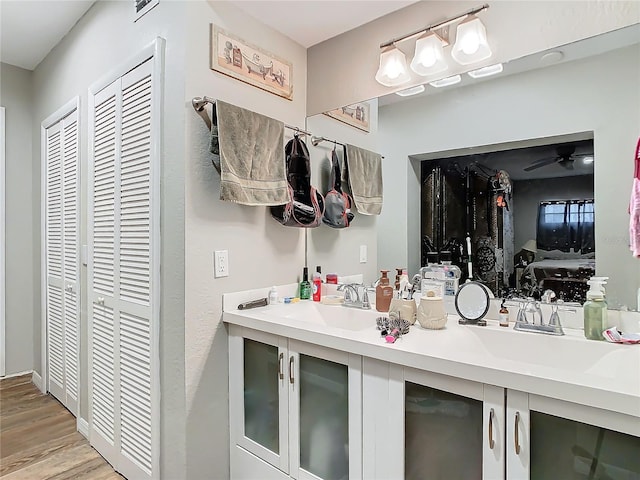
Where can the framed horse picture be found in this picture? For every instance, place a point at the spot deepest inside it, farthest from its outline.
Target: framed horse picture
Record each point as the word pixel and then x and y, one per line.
pixel 249 63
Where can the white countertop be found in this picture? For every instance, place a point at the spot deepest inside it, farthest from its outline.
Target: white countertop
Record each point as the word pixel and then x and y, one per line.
pixel 570 368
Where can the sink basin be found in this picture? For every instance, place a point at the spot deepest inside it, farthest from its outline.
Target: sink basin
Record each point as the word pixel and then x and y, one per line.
pixel 335 316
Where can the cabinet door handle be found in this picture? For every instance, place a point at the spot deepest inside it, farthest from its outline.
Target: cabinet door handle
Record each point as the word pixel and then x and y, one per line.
pixel 280 366
pixel 492 442
pixel 291 375
pixel 516 435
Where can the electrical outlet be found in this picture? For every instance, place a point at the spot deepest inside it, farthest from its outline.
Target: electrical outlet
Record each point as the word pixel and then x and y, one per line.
pixel 221 263
pixel 363 254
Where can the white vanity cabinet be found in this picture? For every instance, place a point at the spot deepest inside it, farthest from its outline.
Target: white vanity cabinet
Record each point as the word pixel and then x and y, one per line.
pixel 295 409
pixel 553 439
pixel 437 426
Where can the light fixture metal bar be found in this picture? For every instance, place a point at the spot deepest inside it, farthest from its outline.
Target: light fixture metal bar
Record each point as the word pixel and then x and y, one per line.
pixel 435 26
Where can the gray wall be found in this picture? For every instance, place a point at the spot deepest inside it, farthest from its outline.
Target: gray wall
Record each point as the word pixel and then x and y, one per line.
pixel 542 25
pixel 527 195
pixel 261 251
pixel 21 299
pixel 103 38
pixel 558 100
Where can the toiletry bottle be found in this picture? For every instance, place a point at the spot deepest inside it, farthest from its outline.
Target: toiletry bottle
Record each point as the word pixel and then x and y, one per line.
pixel 396 286
pixel 305 286
pixel 384 292
pixel 504 315
pixel 273 296
pixel 317 286
pixel 595 310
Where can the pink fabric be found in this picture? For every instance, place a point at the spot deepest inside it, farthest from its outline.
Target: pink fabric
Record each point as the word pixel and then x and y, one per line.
pixel 634 224
pixel 634 207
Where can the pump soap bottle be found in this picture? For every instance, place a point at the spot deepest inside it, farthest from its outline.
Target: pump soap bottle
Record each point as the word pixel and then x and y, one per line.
pixel 595 309
pixel 384 293
pixel 305 286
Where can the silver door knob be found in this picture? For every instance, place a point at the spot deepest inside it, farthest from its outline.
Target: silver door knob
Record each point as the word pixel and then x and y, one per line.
pixel 100 300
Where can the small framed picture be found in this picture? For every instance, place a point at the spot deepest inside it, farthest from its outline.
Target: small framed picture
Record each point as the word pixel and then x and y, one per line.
pixel 143 6
pixel 356 115
pixel 250 63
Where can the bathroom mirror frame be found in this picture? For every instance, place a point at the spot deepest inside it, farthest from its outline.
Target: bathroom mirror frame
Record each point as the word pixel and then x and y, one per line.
pixel 582 50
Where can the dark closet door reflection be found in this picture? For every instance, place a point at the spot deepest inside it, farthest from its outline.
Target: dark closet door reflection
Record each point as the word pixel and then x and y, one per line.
pixel 443 435
pixel 563 449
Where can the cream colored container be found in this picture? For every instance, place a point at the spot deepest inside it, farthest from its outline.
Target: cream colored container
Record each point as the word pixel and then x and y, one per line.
pixel 431 312
pixel 406 309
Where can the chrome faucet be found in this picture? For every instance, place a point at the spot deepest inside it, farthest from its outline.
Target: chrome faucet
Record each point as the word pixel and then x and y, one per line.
pixel 352 295
pixel 530 319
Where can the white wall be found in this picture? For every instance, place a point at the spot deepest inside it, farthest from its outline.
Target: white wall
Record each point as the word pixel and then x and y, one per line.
pixel 342 69
pixel 338 250
pixel 15 96
pixel 103 38
pixel 261 251
pixel 599 94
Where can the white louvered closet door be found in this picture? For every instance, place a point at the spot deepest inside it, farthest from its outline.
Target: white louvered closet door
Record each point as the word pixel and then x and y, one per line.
pixel 61 248
pixel 123 370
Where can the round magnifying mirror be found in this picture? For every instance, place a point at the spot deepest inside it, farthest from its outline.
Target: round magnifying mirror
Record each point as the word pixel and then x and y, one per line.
pixel 472 303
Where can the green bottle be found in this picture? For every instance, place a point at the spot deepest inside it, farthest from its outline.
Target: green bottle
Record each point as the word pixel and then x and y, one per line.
pixel 305 286
pixel 595 310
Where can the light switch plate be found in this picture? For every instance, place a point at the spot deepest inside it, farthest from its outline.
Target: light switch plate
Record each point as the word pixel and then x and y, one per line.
pixel 363 254
pixel 221 263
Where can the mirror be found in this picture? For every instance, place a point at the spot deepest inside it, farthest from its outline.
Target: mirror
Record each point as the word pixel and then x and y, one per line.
pixel 590 95
pixel 472 301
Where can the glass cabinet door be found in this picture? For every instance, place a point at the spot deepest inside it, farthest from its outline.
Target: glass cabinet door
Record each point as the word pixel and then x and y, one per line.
pixel 564 449
pixel 325 425
pixel 261 369
pixel 258 390
pixel 443 434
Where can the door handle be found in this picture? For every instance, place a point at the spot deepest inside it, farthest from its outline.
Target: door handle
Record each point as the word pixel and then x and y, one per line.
pixel 101 301
pixel 492 442
pixel 291 374
pixel 516 434
pixel 280 366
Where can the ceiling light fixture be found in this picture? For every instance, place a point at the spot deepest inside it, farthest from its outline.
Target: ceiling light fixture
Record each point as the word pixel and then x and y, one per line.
pixel 411 91
pixel 471 47
pixel 429 56
pixel 393 69
pixel 486 71
pixel 445 82
pixel 471 42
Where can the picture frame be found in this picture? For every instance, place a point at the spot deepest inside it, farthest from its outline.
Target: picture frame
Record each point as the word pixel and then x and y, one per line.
pixel 357 115
pixel 236 58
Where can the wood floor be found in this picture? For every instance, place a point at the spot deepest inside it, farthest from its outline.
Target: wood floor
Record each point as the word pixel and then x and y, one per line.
pixel 38 438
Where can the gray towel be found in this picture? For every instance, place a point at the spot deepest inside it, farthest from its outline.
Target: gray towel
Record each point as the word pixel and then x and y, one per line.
pixel 363 174
pixel 250 156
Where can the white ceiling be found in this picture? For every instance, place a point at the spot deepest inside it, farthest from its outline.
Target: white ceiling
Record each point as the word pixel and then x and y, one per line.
pixel 312 22
pixel 30 29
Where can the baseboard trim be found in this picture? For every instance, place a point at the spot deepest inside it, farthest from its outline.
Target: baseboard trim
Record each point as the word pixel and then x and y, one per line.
pixel 18 374
pixel 83 427
pixel 37 381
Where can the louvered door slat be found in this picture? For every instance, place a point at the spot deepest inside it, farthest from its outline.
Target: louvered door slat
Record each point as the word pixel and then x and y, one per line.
pixel 135 192
pixel 103 408
pixel 104 196
pixel 135 375
pixel 70 217
pixel 54 203
pixel 56 334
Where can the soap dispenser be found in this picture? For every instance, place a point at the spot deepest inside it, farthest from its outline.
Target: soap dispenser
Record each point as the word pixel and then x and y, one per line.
pixel 384 292
pixel 595 309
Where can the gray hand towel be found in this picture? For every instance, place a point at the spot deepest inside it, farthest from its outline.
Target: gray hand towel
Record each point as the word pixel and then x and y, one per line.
pixel 250 153
pixel 363 174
